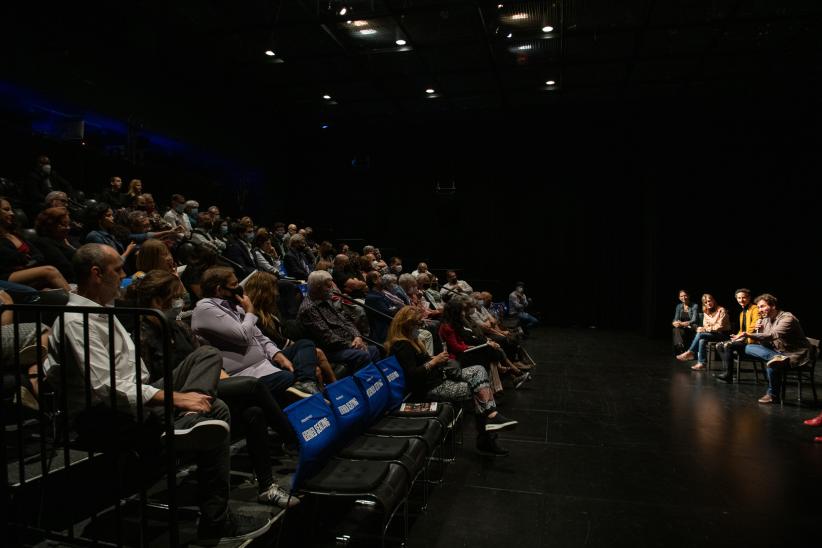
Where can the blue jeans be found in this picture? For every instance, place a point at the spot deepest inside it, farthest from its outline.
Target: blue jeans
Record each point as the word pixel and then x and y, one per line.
pixel 700 344
pixel 303 355
pixel 527 320
pixel 353 358
pixel 277 384
pixel 774 372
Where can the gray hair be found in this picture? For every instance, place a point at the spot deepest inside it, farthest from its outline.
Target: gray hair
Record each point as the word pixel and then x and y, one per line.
pixel 368 249
pixel 295 239
pixel 88 256
pixel 192 203
pixel 317 279
pixel 54 194
pixel 388 280
pixel 407 280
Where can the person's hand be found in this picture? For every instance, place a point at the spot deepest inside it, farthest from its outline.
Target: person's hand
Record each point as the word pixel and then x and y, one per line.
pixel 700 329
pixel 358 343
pixel 192 401
pixel 493 344
pixel 675 323
pixel 245 302
pixel 440 358
pixel 283 362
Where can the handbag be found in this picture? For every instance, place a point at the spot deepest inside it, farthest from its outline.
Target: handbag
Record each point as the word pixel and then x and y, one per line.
pixel 451 371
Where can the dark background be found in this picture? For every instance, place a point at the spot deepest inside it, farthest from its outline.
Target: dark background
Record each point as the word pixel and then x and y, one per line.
pixel 679 150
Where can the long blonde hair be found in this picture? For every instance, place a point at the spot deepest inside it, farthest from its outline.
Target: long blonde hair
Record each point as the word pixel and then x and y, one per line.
pixel 705 308
pixel 401 327
pixel 262 289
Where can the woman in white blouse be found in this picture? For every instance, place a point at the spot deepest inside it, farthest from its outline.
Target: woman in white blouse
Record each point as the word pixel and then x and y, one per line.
pixel 716 326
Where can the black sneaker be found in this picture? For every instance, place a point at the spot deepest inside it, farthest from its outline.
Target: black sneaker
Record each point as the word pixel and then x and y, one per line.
pixel 236 527
pixel 194 433
pixel 499 422
pixel 486 445
pixel 307 387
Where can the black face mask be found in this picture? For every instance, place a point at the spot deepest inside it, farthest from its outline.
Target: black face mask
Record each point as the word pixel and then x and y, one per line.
pixel 238 291
pixel 357 294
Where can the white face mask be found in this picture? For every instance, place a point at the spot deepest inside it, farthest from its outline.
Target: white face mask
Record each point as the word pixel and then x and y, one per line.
pixel 46 168
pixel 398 268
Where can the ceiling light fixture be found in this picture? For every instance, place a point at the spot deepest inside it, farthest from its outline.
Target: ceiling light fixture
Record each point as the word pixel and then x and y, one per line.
pixel 551 83
pixel 547 28
pixel 499 6
pixel 368 32
pixel 519 16
pixel 326 97
pixel 429 91
pixel 360 23
pixel 325 126
pixel 400 42
pixel 270 53
pixel 343 10
pixel 510 35
pixel 525 47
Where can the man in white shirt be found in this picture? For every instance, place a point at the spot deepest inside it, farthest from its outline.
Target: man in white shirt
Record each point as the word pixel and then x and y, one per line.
pixel 176 216
pixel 454 285
pixel 201 421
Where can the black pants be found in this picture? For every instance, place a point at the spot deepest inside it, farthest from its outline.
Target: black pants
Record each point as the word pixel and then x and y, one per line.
pixel 726 351
pixel 253 410
pixel 683 337
pixel 199 372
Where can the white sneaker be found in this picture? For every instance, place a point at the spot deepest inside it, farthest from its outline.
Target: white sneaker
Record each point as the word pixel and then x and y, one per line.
pixel 275 495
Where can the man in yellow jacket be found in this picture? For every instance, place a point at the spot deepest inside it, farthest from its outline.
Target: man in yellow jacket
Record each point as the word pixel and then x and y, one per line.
pixel 747 322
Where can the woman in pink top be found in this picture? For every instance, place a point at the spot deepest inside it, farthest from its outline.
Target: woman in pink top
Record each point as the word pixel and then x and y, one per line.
pixel 716 326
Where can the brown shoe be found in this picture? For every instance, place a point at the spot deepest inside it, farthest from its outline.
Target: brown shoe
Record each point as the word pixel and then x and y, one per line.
pixel 685 356
pixel 767 398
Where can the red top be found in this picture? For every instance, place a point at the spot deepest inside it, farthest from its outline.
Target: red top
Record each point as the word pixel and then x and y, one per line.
pixel 453 342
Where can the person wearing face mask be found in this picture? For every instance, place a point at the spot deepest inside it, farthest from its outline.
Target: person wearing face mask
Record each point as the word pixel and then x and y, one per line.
pixel 298 263
pixel 454 286
pixel 202 235
pixel 239 249
pixel 386 304
pixel 426 381
pixel 395 266
pixel 192 210
pixel 264 255
pixel 252 407
pixel 517 304
pixel 52 226
pixel 329 329
pixel 40 181
pixel 227 319
pixel 429 292
pixel 201 420
pixel 176 215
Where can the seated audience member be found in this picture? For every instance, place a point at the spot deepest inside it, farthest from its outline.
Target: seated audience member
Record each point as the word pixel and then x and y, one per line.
pixel 203 235
pixel 426 380
pixel 53 226
pixel 251 405
pixel 154 255
pixel 378 300
pixel 135 188
pixel 139 226
pixel 298 263
pixel 264 254
pixel 326 252
pixel 42 180
pixel 748 316
pixel 778 341
pixel 201 420
pixel 518 304
pixel 395 266
pixel 459 338
pixel 342 271
pixel 327 327
pixel 26 335
pixel 238 249
pixel 99 219
pixel 20 261
pixel 226 318
pixel 113 195
pixel 215 213
pixel 263 290
pixel 686 320
pixel 277 238
pixel 490 327
pixel 716 326
pixel 393 291
pixel 454 286
pixel 410 286
pixel 191 209
pixel 354 290
pixel 199 261
pixel 176 216
pixel 56 198
pixel 145 202
pixel 422 268
pixel 430 294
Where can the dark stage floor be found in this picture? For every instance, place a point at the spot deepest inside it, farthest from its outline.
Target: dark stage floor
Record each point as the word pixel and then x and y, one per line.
pixel 620 445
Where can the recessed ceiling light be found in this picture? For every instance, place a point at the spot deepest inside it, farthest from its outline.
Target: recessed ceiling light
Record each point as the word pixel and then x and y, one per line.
pixel 400 42
pixel 325 126
pixel 270 53
pixel 499 6
pixel 525 47
pixel 429 91
pixel 510 35
pixel 326 96
pixel 343 10
pixel 368 32
pixel 547 28
pixel 360 23
pixel 519 16
pixel 551 83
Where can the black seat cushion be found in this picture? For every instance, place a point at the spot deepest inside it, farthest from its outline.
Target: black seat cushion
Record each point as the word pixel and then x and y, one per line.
pixel 375 448
pixel 392 426
pixel 346 476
